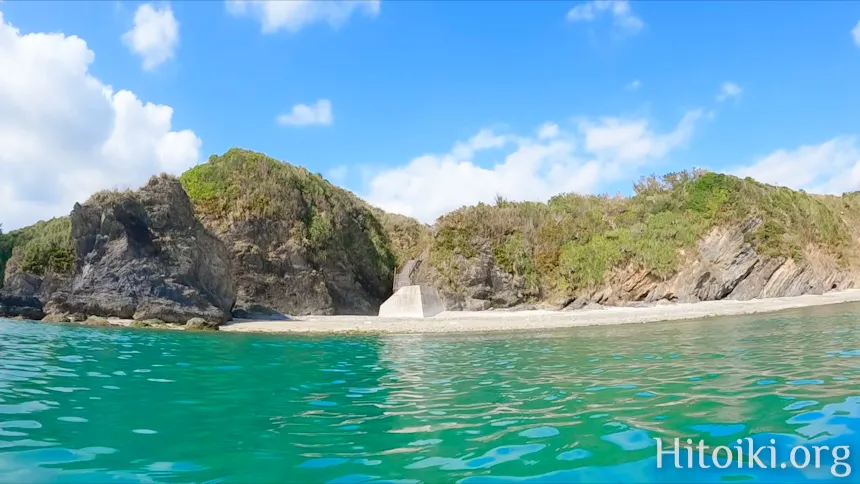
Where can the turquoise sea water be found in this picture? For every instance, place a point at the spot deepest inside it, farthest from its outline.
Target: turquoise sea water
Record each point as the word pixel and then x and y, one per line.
pixel 81 404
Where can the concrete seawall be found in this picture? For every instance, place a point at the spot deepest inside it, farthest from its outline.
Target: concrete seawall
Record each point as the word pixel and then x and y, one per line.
pixel 412 302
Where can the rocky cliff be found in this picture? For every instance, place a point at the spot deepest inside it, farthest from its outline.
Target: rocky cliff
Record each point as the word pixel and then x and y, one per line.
pixel 299 245
pixel 687 237
pixel 138 255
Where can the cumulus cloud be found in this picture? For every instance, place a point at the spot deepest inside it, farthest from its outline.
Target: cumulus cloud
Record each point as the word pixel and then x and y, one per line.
pixel 154 36
pixel 831 167
pixel 294 15
pixel 485 139
pixel 527 167
pixel 548 131
pixel 729 90
pixel 305 115
pixel 65 134
pixel 855 32
pixel 622 15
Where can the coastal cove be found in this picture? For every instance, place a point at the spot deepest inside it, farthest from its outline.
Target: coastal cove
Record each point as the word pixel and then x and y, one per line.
pixel 429 242
pixel 245 236
pixel 570 405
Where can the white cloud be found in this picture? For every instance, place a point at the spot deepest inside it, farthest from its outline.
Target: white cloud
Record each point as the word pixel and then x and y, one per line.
pixel 622 15
pixel 155 35
pixel 484 140
pixel 855 32
pixel 631 140
pixel 293 15
pixel 634 85
pixel 729 90
pixel 529 168
pixel 830 167
pixel 548 131
pixel 65 134
pixel 304 115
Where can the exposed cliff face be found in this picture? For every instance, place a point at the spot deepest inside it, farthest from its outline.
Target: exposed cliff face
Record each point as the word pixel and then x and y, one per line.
pixel 23 283
pixel 139 255
pixel 723 266
pixel 274 271
pixel 298 244
pixel 479 284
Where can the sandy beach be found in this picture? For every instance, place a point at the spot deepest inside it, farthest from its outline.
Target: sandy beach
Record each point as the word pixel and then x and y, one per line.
pixel 501 320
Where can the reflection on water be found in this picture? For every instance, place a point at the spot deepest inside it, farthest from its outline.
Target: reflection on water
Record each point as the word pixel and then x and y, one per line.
pixel 84 404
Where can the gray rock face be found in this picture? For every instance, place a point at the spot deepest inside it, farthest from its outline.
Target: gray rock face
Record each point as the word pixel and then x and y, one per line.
pixel 22 283
pixel 483 285
pixel 143 255
pixel 272 270
pixel 727 267
pixel 25 307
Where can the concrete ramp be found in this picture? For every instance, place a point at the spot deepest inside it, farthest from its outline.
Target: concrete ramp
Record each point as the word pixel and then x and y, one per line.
pixel 412 302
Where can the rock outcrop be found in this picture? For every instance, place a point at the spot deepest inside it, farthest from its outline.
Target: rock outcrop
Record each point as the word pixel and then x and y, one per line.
pixel 143 255
pixel 482 284
pixel 272 270
pixel 24 307
pixel 727 267
pixel 724 266
pixel 299 245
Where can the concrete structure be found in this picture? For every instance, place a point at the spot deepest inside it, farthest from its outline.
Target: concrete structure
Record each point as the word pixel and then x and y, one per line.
pixel 412 302
pixel 404 277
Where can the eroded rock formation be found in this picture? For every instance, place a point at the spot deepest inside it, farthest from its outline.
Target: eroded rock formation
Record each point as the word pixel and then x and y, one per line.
pixel 142 255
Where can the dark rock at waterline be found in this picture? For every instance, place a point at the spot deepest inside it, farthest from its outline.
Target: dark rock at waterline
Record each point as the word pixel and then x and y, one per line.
pixel 143 255
pixel 26 307
pixel 255 311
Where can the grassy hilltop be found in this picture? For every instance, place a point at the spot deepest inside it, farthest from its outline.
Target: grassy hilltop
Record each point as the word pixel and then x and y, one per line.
pixel 276 216
pixel 299 243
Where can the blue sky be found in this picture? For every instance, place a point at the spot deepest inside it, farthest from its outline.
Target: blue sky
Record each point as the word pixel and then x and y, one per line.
pixel 631 89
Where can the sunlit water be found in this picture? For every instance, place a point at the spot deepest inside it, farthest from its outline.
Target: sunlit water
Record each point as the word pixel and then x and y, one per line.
pixel 82 404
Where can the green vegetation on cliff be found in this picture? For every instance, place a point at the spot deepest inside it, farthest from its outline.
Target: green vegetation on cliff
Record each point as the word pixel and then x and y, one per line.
pixel 573 242
pixel 407 236
pixel 329 222
pixel 44 247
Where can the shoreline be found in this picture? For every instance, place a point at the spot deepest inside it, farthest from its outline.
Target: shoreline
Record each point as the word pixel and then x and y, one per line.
pixel 506 320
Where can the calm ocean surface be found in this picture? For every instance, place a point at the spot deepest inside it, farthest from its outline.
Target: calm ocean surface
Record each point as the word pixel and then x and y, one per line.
pixel 82 404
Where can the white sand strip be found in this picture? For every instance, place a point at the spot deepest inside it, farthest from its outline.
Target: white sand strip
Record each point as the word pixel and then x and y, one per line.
pixel 481 321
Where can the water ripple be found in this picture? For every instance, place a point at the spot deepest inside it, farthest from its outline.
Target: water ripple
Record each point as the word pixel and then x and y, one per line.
pixel 82 404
